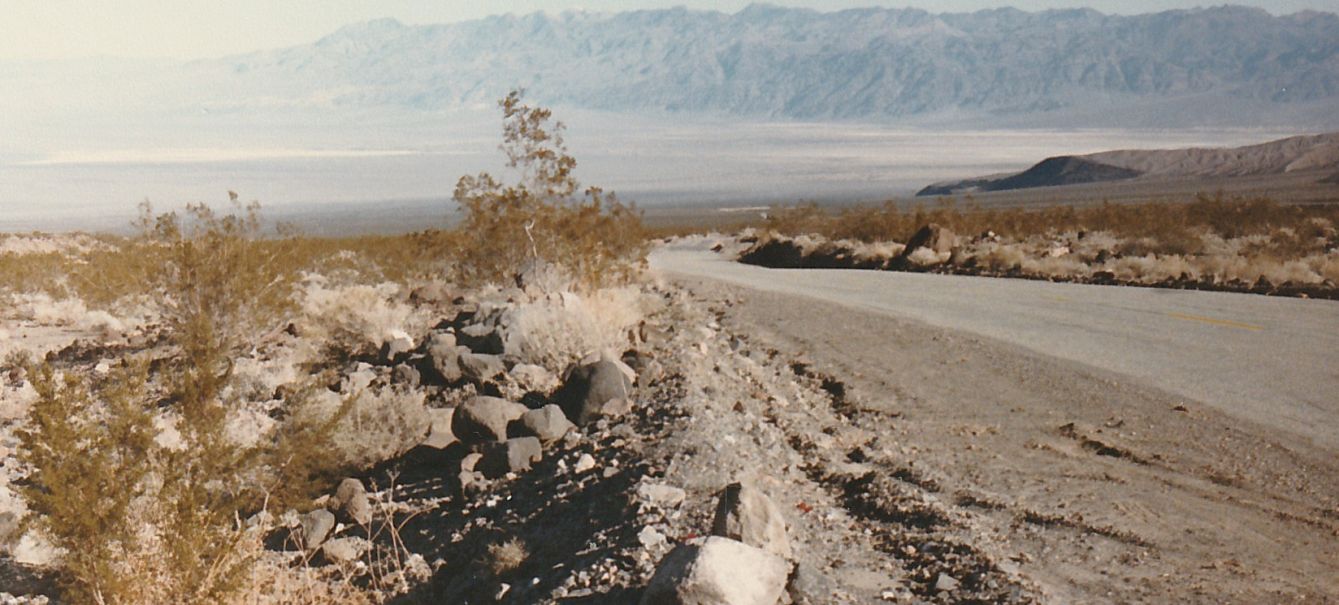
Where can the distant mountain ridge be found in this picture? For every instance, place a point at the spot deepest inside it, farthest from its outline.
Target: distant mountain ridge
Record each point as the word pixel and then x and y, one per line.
pixel 1310 152
pixel 773 62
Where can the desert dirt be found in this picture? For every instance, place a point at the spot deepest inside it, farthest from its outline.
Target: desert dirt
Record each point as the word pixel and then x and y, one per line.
pixel 911 463
pixel 1080 483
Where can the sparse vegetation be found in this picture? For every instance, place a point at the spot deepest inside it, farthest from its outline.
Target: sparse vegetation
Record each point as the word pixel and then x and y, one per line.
pixel 138 475
pixel 506 556
pixel 544 215
pixel 1212 241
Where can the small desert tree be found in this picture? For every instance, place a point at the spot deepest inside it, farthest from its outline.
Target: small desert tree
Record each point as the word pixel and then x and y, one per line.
pixel 546 214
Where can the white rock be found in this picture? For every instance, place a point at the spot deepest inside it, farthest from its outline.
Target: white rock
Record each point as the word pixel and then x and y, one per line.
pixel 345 550
pixel 584 463
pixel 439 434
pixel 33 549
pixel 746 514
pixel 397 342
pixel 718 571
pixel 663 496
pixel 650 537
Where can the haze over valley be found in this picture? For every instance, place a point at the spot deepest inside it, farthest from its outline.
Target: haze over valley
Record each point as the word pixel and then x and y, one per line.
pixel 664 106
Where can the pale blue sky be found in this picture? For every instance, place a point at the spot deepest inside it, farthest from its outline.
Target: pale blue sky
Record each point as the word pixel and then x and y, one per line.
pixel 185 29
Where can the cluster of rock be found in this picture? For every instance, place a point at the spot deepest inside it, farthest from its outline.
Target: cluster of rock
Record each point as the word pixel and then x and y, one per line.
pixel 1081 257
pixel 747 559
pixel 930 247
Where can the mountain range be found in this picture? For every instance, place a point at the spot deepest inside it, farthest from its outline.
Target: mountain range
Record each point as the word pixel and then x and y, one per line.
pixel 772 62
pixel 1293 154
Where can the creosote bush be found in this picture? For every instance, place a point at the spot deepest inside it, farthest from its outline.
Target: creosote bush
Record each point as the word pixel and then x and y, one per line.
pixel 545 214
pixel 142 522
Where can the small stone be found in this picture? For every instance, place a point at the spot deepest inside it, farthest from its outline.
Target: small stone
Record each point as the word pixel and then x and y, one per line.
pixel 946 583
pixel 443 361
pixel 482 419
pixel 480 367
pixel 345 550
pixel 660 495
pixel 352 500
pixel 397 344
pixel 746 514
pixel 650 537
pixel 584 463
pixel 533 378
pixel 548 423
pixel 439 431
pixel 512 456
pixel 808 586
pixel 470 461
pixel 588 388
pixel 316 525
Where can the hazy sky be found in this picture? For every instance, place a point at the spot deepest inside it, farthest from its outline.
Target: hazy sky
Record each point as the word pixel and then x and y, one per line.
pixel 208 28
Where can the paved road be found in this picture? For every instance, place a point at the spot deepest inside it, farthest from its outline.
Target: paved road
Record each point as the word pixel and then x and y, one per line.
pixel 1271 360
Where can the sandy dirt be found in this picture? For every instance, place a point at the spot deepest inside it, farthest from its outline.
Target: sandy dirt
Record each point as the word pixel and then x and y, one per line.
pixel 1094 487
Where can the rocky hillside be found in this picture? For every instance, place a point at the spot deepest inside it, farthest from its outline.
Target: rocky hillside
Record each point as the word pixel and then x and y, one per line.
pixel 1221 66
pixel 1314 152
pixel 768 61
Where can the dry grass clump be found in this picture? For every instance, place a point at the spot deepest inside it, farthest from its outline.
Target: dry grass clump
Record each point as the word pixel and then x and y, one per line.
pixel 557 331
pixel 506 556
pixel 355 319
pixel 546 214
pixel 378 425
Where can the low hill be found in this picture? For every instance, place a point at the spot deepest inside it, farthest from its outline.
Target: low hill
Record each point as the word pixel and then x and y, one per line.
pixel 1293 154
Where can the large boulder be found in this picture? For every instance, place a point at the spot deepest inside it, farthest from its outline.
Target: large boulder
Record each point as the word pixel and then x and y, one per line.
pixel 718 571
pixel 483 419
pixel 594 390
pixel 746 514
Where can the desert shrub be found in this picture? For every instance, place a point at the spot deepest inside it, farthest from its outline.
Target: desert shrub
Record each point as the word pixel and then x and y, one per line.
pixel 220 282
pixel 299 455
pixel 175 512
pixel 355 319
pixel 378 425
pixel 1170 227
pixel 545 214
pixel 92 457
pixel 555 332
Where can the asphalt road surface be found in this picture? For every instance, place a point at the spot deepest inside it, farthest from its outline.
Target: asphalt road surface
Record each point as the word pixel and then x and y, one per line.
pixel 1271 360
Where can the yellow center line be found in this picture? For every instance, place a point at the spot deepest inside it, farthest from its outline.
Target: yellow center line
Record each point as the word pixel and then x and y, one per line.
pixel 1216 322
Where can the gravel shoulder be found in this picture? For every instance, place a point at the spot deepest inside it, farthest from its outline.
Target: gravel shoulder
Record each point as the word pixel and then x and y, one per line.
pixel 1084 484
